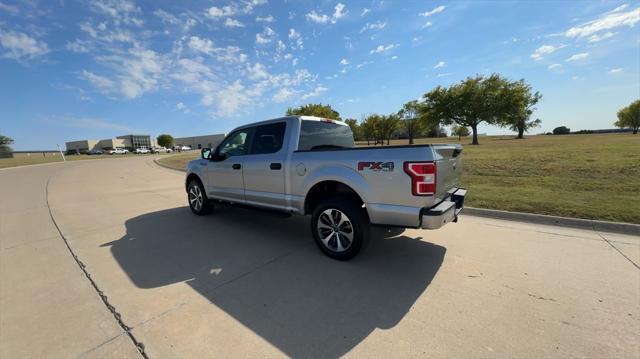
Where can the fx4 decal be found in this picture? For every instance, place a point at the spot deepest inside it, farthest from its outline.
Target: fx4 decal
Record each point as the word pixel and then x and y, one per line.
pixel 375 166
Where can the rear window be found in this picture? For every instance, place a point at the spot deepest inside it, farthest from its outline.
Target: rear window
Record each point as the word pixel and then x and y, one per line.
pixel 315 135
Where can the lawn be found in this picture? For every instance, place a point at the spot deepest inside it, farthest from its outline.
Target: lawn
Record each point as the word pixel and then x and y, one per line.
pixel 584 176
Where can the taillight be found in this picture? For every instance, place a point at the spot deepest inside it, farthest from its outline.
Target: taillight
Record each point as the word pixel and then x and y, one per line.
pixel 423 177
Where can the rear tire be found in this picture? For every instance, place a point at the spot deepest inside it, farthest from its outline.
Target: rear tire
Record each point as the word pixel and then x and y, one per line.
pixel 340 228
pixel 197 198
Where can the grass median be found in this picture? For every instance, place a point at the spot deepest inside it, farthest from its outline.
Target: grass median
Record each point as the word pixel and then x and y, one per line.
pixel 584 176
pixel 35 158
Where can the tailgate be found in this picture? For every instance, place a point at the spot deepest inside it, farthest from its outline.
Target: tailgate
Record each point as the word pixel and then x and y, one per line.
pixel 449 168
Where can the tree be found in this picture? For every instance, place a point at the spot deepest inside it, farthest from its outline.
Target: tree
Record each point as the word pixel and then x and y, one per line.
pixel 4 143
pixel 312 109
pixel 411 119
pixel 562 130
pixel 629 116
pixel 459 131
pixel 370 127
pixel 355 128
pixel 165 140
pixel 522 103
pixel 469 103
pixel 388 125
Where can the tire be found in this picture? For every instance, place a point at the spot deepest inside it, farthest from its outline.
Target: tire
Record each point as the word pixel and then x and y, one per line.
pixel 340 228
pixel 197 198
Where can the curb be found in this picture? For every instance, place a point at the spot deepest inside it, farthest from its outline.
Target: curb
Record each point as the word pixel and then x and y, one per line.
pixel 155 160
pixel 603 226
pixel 589 224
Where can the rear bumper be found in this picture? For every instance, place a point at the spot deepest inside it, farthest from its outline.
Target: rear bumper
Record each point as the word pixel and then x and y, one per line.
pixel 445 212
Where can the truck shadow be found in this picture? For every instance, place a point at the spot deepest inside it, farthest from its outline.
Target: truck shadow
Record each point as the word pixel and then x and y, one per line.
pixel 267 273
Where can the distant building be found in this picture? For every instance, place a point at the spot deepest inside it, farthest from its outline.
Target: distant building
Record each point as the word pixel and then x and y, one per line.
pixel 130 142
pixel 199 142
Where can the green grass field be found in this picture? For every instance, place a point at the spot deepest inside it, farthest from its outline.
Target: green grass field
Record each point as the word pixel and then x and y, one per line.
pixel 584 176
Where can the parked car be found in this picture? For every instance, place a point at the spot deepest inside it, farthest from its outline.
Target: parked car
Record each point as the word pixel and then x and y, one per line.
pixel 118 151
pixel 185 148
pixel 161 150
pixel 95 152
pixel 142 150
pixel 310 166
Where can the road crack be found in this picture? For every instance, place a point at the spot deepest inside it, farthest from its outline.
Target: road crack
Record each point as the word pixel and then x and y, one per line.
pixel 138 344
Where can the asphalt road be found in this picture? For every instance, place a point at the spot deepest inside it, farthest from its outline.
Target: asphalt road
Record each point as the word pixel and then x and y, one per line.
pixel 248 284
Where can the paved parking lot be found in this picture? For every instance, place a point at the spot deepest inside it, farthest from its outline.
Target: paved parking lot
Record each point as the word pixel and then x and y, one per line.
pixel 246 284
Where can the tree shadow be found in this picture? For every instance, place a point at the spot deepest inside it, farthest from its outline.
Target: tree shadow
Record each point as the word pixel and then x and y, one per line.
pixel 267 273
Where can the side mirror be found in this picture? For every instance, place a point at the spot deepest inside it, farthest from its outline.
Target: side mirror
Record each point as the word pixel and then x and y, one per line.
pixel 205 153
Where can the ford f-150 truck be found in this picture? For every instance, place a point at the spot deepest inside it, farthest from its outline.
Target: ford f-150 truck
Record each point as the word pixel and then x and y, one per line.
pixel 310 166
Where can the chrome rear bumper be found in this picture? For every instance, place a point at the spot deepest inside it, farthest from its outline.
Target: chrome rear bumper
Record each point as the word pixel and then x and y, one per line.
pixel 445 212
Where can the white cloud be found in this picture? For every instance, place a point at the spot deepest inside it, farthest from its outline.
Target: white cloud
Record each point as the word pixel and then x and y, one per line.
pixel 433 12
pixel 19 45
pixel 338 13
pixel 344 62
pixel 607 21
pixel 204 46
pixel 218 12
pixel 79 46
pixel 427 24
pixel 257 71
pixel 577 57
pixel 381 48
pixel 598 38
pixel 554 66
pixel 267 18
pixel 615 71
pixel 283 95
pixel 296 39
pixel 11 9
pixel 266 36
pixel 374 26
pixel 394 57
pixel 545 50
pixel 229 22
pixel 316 92
pixel 230 99
pixel 119 10
pixel 100 82
pixel 180 106
pixel 365 11
pixel 440 64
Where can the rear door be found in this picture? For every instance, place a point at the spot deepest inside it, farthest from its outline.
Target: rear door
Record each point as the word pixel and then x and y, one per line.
pixel 264 166
pixel 224 173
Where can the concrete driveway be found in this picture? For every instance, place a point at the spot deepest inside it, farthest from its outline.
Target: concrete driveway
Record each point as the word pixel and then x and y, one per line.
pixel 127 271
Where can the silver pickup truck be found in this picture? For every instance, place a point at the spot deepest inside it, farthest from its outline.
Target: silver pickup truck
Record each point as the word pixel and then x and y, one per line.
pixel 308 165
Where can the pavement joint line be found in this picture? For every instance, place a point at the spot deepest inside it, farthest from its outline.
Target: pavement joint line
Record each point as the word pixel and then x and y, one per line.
pixel 99 345
pixel 616 248
pixel 139 345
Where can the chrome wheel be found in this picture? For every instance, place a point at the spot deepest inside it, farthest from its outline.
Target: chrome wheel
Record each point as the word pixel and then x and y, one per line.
pixel 335 230
pixel 196 199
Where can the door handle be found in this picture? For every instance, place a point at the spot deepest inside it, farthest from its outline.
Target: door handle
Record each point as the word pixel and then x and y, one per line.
pixel 236 166
pixel 275 166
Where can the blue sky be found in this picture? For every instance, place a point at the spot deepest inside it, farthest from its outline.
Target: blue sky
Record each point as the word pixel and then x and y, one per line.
pixel 95 69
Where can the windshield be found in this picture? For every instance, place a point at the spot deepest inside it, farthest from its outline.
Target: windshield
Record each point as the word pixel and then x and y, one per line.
pixel 316 135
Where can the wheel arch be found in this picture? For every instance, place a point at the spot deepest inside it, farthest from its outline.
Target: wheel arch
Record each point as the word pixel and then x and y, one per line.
pixel 329 188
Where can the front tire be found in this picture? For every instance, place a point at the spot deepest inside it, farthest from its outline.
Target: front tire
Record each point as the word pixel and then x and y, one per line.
pixel 340 228
pixel 197 198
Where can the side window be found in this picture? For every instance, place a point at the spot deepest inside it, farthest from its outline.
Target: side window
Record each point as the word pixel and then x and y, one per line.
pixel 268 138
pixel 234 145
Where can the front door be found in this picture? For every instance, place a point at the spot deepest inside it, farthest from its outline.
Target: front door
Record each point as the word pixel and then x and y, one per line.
pixel 224 171
pixel 264 166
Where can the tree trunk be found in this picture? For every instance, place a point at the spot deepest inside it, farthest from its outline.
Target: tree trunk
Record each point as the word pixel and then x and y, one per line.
pixel 410 139
pixel 474 128
pixel 520 133
pixel 459 138
pixel 635 130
